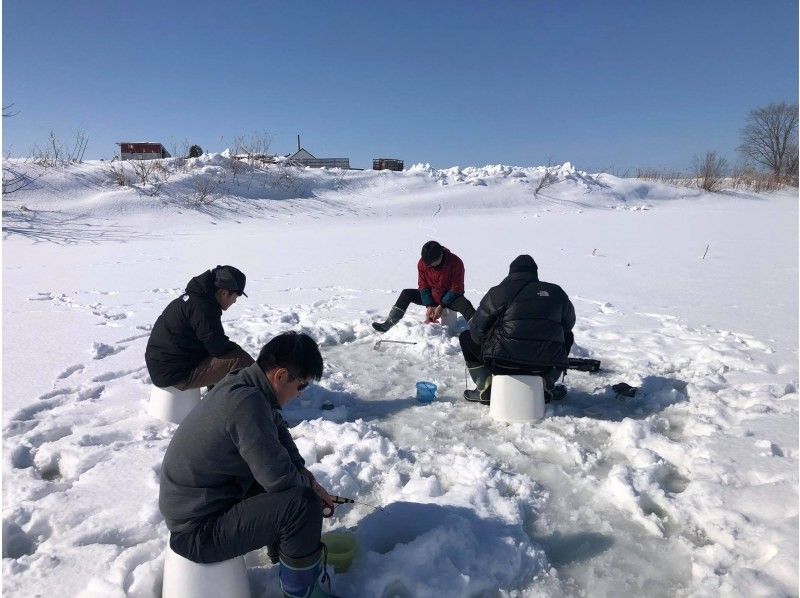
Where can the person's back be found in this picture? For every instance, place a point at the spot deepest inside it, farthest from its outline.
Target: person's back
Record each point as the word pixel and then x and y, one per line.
pixel 188 347
pixel 522 325
pixel 240 425
pixel 533 323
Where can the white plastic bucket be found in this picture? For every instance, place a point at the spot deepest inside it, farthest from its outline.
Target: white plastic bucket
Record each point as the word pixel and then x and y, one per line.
pixel 186 579
pixel 172 405
pixel 517 398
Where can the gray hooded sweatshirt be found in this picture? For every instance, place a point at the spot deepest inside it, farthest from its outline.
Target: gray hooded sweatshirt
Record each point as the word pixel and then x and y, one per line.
pixel 236 436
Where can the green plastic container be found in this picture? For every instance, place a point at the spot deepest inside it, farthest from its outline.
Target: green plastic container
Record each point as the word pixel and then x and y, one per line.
pixel 342 549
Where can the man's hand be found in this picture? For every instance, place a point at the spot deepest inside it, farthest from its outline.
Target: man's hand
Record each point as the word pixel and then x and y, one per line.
pixel 437 313
pixel 429 314
pixel 321 492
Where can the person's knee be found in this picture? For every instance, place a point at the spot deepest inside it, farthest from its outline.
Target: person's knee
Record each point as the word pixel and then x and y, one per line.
pixel 407 295
pixel 242 359
pixel 306 502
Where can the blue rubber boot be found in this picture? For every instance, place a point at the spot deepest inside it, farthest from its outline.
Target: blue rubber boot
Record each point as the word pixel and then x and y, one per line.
pixel 301 578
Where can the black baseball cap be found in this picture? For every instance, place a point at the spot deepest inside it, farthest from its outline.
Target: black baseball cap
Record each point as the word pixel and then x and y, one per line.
pixel 230 279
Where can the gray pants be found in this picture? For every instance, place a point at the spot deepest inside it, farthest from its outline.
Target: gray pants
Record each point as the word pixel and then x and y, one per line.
pixel 291 519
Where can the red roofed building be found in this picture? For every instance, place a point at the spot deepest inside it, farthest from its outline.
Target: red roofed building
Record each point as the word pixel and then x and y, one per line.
pixel 142 150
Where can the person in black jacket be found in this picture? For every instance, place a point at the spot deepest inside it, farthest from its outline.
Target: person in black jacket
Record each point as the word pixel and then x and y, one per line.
pixel 233 480
pixel 188 347
pixel 522 326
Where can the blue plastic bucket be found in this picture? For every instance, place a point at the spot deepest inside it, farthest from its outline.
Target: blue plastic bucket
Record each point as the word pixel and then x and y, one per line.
pixel 426 392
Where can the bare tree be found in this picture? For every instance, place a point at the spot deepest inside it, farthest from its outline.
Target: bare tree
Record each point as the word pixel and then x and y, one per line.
pixel 769 139
pixel 709 172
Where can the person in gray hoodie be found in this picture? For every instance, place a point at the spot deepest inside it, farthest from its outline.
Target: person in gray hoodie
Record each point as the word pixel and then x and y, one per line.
pixel 232 479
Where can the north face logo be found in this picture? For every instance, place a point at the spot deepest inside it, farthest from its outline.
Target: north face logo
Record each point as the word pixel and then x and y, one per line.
pixel 543 294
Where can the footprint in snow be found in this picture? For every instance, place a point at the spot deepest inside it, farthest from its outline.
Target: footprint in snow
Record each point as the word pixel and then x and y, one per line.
pixel 101 350
pixel 71 370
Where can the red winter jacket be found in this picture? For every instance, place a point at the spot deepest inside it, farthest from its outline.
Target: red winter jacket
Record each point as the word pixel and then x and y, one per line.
pixel 441 285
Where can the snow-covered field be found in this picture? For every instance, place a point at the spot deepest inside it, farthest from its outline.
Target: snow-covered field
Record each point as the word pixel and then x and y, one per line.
pixel 691 488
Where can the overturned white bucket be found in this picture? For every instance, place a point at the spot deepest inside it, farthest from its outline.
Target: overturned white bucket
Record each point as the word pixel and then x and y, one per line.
pixel 517 398
pixel 186 579
pixel 172 405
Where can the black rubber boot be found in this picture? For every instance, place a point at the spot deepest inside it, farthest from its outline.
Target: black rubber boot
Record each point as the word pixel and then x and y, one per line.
pixel 558 392
pixel 482 377
pixel 395 315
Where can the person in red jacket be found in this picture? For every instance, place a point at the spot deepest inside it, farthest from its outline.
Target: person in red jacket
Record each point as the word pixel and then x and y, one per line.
pixel 441 284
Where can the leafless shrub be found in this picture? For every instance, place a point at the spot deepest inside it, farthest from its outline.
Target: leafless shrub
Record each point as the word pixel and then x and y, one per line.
pixel 78 147
pixel 615 171
pixel 206 189
pixel 546 180
pixel 149 175
pixel 180 153
pixel 669 177
pixel 749 179
pixel 254 148
pixel 236 165
pixel 143 170
pixel 55 153
pixel 769 139
pixel 283 177
pixel 709 172
pixel 14 181
pixel 116 172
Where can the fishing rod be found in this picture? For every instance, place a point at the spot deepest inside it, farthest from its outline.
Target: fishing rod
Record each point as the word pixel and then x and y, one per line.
pixel 327 510
pixel 386 340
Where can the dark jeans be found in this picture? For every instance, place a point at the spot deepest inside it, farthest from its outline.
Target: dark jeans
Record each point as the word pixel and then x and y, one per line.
pixel 472 356
pixel 292 519
pixel 461 304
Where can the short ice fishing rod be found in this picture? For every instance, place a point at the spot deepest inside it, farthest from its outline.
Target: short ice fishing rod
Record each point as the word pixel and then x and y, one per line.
pixel 327 510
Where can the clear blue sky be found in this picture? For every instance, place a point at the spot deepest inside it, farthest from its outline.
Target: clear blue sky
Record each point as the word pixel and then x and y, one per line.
pixel 600 83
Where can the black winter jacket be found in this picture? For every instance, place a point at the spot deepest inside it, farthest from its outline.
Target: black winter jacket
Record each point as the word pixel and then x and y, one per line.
pixel 187 332
pixel 236 436
pixel 524 322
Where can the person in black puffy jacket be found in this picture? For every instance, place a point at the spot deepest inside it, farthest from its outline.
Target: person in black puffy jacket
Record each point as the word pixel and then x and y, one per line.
pixel 188 347
pixel 522 326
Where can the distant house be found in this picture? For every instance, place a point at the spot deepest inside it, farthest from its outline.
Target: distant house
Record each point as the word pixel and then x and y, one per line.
pixel 387 164
pixel 304 158
pixel 142 150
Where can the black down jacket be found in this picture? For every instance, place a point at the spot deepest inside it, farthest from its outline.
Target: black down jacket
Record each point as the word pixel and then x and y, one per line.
pixel 187 332
pixel 524 322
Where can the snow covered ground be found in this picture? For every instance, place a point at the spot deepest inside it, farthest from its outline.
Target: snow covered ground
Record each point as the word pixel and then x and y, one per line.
pixel 691 488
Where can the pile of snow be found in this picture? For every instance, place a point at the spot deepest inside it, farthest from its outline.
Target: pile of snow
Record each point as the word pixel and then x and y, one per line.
pixel 222 187
pixel 689 488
